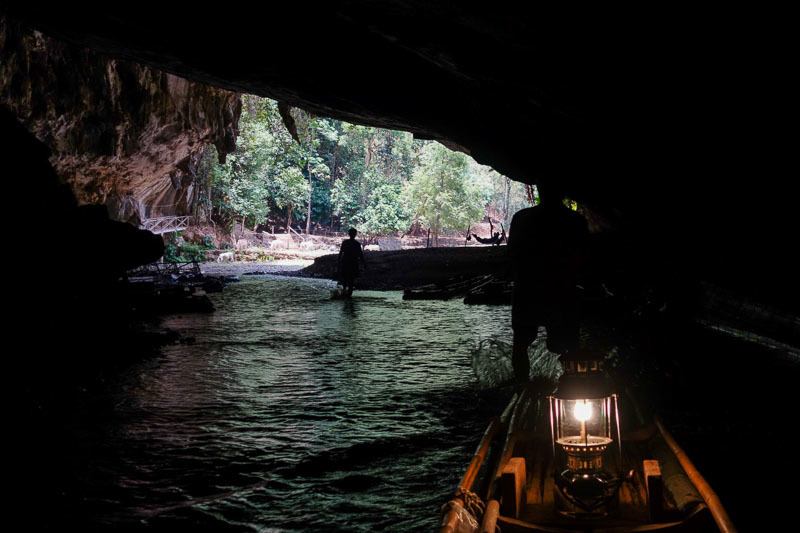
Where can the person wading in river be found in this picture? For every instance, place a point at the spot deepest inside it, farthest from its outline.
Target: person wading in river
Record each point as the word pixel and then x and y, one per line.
pixel 350 254
pixel 546 245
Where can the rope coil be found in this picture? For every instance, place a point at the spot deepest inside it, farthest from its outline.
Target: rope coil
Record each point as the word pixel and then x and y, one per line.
pixel 472 504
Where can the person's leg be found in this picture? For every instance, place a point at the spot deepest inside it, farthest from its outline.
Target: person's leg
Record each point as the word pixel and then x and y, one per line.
pixel 348 283
pixel 563 330
pixel 523 337
pixel 525 325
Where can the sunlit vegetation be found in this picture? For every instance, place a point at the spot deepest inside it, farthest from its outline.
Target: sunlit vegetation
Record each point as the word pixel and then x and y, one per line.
pixel 336 175
pixel 178 251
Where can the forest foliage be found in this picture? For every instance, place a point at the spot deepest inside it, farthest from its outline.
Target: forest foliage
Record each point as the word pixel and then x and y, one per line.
pixel 335 175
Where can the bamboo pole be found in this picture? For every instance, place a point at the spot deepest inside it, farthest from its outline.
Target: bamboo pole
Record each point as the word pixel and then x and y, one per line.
pixel 450 521
pixel 480 455
pixel 719 513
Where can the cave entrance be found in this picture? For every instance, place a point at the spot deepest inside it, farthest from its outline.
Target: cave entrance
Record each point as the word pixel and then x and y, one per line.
pixel 299 182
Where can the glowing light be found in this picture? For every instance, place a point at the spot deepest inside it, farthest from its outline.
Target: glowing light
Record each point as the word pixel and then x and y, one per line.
pixel 583 410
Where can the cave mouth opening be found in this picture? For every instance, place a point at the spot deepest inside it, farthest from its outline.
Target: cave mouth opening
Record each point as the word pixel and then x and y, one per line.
pixel 664 255
pixel 294 172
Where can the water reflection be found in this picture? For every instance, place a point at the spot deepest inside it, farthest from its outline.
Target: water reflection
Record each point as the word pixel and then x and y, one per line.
pixel 294 411
pixel 349 308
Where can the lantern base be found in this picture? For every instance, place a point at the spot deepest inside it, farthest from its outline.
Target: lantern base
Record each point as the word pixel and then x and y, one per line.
pixel 584 454
pixel 586 494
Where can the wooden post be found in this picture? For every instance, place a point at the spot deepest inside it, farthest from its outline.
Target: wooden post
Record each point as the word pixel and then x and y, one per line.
pixel 655 489
pixel 490 516
pixel 512 487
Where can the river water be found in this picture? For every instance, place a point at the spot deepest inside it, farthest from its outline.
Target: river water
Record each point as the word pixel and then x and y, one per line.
pixel 290 411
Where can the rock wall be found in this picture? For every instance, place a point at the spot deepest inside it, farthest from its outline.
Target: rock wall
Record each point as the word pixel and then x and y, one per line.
pixel 671 129
pixel 121 134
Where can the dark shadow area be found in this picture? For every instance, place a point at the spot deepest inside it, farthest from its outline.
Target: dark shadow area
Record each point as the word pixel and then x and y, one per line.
pixel 729 404
pixel 69 315
pixel 668 132
pixel 669 129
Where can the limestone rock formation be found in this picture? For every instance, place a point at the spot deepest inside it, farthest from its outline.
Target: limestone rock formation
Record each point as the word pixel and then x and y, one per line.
pixel 121 134
pixel 651 118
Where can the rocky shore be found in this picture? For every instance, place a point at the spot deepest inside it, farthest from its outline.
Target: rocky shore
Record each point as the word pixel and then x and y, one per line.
pixel 396 270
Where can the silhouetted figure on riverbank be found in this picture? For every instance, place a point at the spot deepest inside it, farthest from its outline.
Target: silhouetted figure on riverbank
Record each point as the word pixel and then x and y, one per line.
pixel 350 255
pixel 546 246
pixel 496 238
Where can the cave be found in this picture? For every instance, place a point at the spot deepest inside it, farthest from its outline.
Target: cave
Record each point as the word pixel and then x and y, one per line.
pixel 668 128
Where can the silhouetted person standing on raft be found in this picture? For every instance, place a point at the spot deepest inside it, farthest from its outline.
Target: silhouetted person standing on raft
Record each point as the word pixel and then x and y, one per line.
pixel 546 245
pixel 349 256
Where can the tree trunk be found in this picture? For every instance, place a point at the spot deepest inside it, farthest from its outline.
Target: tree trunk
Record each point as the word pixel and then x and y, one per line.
pixel 370 148
pixel 436 229
pixel 308 218
pixel 333 177
pixel 288 218
pixel 333 169
pixel 508 199
pixel 310 190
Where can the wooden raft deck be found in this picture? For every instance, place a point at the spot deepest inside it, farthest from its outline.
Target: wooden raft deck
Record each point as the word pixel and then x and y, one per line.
pixel 683 508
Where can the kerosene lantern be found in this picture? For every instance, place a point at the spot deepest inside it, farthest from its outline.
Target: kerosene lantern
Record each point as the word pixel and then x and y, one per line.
pixel 584 420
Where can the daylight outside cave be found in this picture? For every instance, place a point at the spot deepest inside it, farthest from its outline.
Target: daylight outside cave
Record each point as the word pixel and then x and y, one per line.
pixel 555 265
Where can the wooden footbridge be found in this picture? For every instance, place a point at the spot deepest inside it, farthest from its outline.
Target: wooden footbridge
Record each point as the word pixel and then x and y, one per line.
pixel 161 225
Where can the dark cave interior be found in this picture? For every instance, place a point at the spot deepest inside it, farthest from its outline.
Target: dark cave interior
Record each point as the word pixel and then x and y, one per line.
pixel 616 112
pixel 669 128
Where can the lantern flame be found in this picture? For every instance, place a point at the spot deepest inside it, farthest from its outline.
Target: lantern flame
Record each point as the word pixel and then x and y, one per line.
pixel 583 410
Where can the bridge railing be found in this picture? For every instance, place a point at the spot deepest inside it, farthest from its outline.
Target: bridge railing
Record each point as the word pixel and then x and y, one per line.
pixel 187 268
pixel 161 225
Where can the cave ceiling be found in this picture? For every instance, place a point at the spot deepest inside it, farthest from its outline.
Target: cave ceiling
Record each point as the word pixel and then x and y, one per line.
pixel 664 121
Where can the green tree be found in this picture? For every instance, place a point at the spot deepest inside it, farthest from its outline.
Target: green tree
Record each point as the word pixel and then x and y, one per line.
pixel 372 168
pixel 442 190
pixel 264 171
pixel 506 196
pixel 386 212
pixel 340 175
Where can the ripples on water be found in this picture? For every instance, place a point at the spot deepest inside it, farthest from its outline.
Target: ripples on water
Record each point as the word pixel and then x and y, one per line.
pixel 291 411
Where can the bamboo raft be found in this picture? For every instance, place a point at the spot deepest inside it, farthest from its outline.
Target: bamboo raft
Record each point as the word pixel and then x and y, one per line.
pixel 171 288
pixel 662 490
pixel 492 291
pixel 444 290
